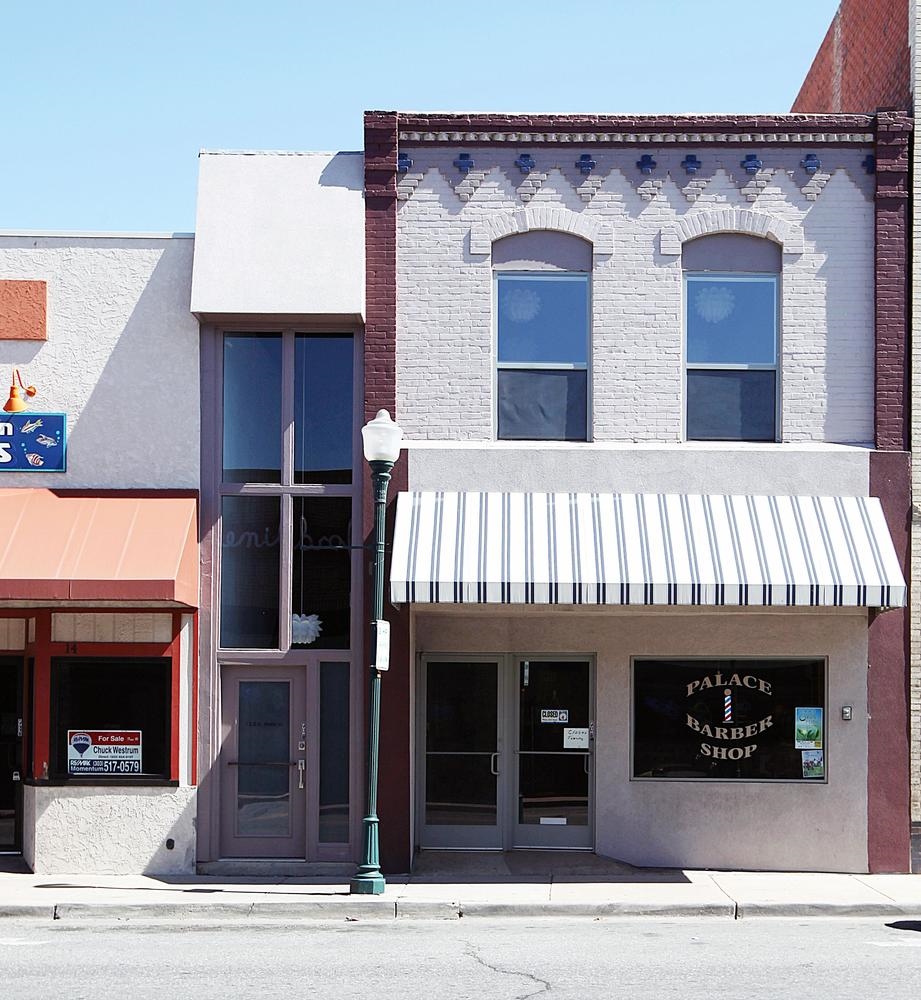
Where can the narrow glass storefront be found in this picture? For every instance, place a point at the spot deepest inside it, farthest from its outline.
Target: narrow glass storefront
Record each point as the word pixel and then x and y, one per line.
pixel 286 509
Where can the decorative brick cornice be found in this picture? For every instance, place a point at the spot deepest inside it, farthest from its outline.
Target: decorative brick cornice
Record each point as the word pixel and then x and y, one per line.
pixel 484 234
pixel 731 220
pixel 486 129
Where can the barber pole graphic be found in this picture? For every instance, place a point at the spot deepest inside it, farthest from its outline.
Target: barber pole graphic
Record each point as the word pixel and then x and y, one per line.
pixel 727 705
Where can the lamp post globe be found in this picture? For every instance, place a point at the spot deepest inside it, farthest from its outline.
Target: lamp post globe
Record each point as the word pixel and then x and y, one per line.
pixel 381 439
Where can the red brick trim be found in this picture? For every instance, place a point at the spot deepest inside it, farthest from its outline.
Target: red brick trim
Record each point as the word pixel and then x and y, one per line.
pixel 888 739
pixel 892 190
pixel 394 798
pixel 731 124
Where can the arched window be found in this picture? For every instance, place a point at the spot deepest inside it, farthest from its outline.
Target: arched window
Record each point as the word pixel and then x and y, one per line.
pixel 543 322
pixel 732 338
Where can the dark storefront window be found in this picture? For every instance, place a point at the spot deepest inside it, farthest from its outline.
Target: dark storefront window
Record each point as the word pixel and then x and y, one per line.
pixel 250 529
pixel 322 575
pixel 110 718
pixel 748 719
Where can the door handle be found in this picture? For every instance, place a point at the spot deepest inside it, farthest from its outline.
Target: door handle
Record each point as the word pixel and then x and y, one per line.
pixel 301 764
pixel 585 761
pixel 16 776
pixel 494 764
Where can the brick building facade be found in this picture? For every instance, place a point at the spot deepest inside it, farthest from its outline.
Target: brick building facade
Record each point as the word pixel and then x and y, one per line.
pixel 467 206
pixel 870 59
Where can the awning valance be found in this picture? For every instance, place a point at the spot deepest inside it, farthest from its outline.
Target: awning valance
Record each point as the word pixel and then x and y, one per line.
pixel 643 549
pixel 65 547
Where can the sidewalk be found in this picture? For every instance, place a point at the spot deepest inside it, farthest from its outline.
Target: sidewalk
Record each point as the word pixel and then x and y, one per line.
pixel 449 889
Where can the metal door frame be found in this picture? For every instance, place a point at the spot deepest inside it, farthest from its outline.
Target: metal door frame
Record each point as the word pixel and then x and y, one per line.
pixel 452 837
pixel 549 837
pixel 17 663
pixel 507 743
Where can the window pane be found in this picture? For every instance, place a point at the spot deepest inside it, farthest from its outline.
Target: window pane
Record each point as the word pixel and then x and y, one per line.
pixel 322 573
pixel 542 405
pixel 99 698
pixel 263 766
pixel 249 572
pixel 252 408
pixel 731 406
pixel 334 753
pixel 543 319
pixel 732 321
pixel 323 412
pixel 729 719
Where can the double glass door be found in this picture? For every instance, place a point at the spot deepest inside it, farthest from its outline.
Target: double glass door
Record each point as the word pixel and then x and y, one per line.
pixel 506 753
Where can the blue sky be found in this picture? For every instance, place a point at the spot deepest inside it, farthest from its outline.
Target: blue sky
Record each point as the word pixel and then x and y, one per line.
pixel 107 102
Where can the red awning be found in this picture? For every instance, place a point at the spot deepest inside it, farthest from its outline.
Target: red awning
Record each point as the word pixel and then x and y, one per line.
pixel 97 548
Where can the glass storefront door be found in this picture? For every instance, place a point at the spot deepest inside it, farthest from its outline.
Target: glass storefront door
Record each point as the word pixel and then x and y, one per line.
pixel 264 763
pixel 506 753
pixel 552 801
pixel 287 761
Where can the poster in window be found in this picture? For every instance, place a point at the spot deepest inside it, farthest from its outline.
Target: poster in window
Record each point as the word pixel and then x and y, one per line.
pixel 808 731
pixel 103 751
pixel 726 719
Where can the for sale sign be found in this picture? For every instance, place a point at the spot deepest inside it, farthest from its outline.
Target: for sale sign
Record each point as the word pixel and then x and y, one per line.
pixel 103 751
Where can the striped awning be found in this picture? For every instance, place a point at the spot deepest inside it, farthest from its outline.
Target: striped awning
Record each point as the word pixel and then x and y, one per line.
pixel 643 549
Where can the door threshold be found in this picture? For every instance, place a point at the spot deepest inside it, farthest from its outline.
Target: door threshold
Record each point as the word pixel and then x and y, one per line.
pixel 277 868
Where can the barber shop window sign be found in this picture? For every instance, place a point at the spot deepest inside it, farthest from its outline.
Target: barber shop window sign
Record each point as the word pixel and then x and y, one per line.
pixel 33 442
pixel 729 719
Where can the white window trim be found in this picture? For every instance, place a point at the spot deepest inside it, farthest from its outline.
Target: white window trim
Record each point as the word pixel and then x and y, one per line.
pixel 776 367
pixel 498 365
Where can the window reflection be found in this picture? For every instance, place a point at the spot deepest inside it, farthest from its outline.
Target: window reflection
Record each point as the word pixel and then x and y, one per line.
pixel 252 408
pixel 323 409
pixel 249 572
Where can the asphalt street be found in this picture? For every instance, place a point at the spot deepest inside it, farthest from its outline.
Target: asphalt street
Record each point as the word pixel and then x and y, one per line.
pixel 578 958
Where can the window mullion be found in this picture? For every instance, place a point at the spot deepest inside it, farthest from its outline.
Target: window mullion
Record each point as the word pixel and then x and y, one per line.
pixel 287 409
pixel 285 571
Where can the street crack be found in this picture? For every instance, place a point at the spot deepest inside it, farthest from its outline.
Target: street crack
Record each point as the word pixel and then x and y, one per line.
pixel 473 952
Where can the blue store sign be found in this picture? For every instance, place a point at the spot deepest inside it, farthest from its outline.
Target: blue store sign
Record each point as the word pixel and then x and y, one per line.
pixel 33 442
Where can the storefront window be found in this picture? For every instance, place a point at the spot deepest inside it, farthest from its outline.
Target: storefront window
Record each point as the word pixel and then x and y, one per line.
pixel 110 718
pixel 322 575
pixel 334 753
pixel 250 528
pixel 748 719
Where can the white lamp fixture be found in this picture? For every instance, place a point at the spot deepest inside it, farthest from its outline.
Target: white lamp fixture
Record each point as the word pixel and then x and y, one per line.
pixel 381 439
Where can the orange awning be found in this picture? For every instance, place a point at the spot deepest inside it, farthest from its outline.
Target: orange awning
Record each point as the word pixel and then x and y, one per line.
pixel 100 547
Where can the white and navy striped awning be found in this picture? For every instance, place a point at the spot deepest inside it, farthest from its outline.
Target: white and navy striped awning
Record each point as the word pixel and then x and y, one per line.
pixel 643 548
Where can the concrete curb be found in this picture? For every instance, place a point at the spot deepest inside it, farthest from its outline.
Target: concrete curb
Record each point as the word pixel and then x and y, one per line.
pixel 380 909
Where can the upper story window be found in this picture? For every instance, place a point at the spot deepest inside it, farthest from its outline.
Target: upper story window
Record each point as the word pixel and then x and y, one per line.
pixel 732 328
pixel 542 337
pixel 286 493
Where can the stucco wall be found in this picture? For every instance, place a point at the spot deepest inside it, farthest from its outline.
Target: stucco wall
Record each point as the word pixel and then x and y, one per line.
pixel 445 353
pixel 804 470
pixel 121 358
pixel 109 831
pixel 280 233
pixel 743 825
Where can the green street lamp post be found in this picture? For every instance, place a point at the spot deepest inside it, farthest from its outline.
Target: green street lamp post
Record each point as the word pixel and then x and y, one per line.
pixel 382 439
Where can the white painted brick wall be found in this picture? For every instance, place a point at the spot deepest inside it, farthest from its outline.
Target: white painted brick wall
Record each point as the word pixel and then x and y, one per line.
pixel 444 293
